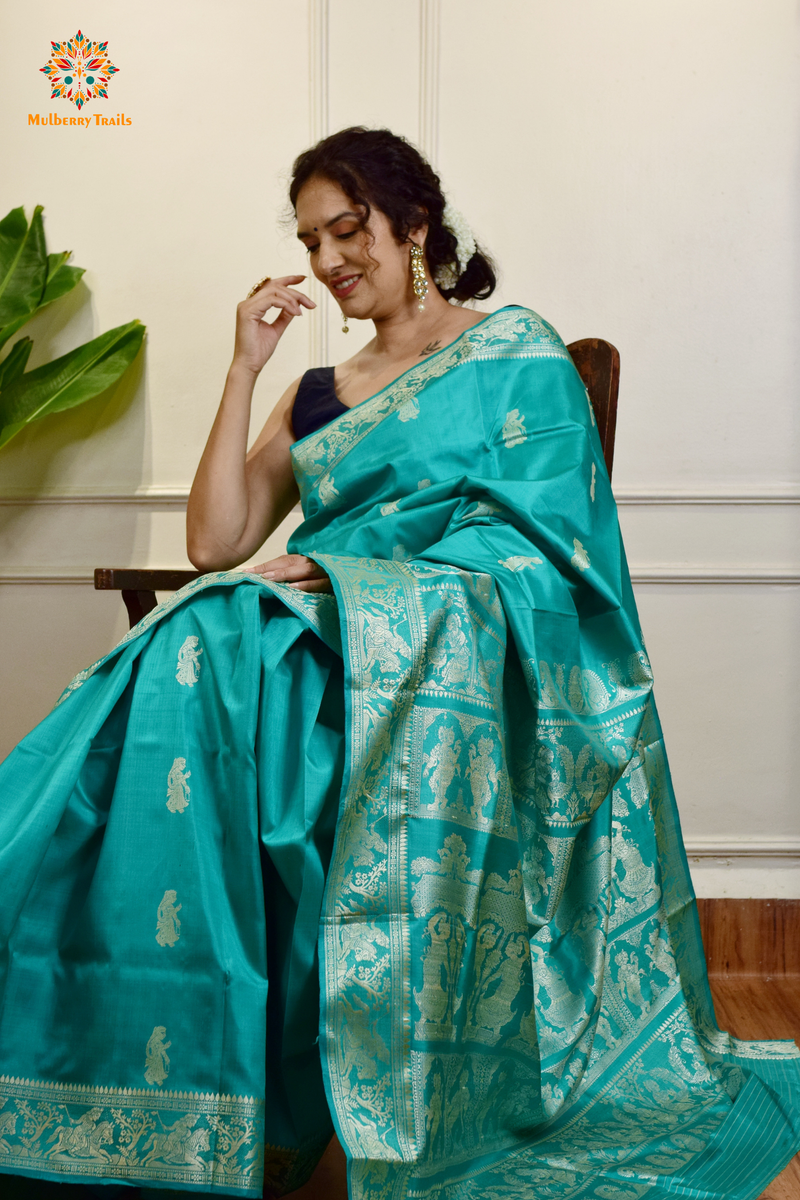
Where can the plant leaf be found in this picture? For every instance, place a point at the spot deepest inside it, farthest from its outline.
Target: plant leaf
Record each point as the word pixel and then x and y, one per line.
pixel 23 264
pixel 70 380
pixel 60 281
pixel 55 262
pixel 9 330
pixel 14 364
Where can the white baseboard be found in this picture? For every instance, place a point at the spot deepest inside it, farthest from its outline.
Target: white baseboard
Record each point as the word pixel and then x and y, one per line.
pixel 740 868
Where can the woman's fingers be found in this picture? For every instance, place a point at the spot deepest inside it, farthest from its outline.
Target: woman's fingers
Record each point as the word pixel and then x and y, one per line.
pixel 305 300
pixel 279 287
pixel 282 280
pixel 322 584
pixel 276 298
pixel 284 298
pixel 289 568
pixel 301 297
pixel 267 568
pixel 256 337
pixel 281 321
pixel 295 570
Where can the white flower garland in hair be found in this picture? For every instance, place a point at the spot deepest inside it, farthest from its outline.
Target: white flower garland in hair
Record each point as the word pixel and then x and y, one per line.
pixel 448 274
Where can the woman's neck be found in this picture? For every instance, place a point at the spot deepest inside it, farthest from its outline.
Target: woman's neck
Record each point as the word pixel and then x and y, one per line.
pixel 403 340
pixel 409 333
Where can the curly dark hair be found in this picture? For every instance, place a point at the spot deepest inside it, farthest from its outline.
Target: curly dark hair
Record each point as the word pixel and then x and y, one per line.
pixel 378 167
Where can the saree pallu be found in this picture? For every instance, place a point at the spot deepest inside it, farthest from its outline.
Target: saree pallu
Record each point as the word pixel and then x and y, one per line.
pixel 443 788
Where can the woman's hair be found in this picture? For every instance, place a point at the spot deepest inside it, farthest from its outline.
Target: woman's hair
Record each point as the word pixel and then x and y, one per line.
pixel 377 167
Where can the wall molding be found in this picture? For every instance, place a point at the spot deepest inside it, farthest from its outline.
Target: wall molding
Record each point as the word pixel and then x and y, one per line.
pixel 178 495
pixel 319 127
pixel 715 575
pixel 142 498
pixel 318 44
pixel 657 575
pixel 724 850
pixel 430 23
pixel 31 578
pixel 670 496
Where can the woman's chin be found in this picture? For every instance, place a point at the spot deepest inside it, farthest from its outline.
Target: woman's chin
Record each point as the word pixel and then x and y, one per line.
pixel 356 312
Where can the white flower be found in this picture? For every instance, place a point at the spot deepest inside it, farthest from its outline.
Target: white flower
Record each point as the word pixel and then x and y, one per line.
pixel 447 275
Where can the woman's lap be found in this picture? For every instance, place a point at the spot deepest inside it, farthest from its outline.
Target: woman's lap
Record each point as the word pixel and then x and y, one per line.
pixel 176 827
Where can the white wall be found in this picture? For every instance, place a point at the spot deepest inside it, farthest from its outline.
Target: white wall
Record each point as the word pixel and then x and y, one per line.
pixel 632 167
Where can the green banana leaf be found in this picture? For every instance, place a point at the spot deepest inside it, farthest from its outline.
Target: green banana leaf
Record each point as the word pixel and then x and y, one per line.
pixel 60 280
pixel 15 362
pixel 23 265
pixel 68 381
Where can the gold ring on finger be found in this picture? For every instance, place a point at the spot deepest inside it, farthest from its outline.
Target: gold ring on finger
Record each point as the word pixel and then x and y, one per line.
pixel 257 286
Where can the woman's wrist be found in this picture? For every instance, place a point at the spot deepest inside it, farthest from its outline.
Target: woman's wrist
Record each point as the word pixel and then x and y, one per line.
pixel 242 374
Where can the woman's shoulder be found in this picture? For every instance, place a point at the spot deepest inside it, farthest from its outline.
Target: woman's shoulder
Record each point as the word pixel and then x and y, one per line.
pixel 517 325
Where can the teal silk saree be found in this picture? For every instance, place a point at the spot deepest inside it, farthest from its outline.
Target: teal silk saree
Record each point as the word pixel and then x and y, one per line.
pixel 403 861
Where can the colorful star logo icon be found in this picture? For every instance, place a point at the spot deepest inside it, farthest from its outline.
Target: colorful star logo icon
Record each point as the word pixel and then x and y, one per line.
pixel 79 70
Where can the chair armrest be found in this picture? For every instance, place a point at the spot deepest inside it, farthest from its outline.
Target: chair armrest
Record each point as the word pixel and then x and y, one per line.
pixel 139 587
pixel 117 579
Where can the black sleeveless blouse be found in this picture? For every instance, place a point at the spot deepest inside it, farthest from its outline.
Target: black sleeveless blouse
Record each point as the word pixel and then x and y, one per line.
pixel 316 402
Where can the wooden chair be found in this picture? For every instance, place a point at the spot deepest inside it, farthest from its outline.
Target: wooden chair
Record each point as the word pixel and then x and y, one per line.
pixel 598 366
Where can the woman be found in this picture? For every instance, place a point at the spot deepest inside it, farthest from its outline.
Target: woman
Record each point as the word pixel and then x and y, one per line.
pixel 405 785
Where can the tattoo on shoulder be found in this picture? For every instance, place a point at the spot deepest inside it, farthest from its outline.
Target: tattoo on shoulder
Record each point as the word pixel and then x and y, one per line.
pixel 430 348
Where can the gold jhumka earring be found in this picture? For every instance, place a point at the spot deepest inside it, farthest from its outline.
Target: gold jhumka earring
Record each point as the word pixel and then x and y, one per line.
pixel 344 323
pixel 419 282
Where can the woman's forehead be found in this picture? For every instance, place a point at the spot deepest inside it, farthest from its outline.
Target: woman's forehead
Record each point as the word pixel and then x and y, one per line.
pixel 320 199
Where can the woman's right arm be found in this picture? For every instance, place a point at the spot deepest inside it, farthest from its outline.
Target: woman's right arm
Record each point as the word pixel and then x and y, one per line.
pixel 239 498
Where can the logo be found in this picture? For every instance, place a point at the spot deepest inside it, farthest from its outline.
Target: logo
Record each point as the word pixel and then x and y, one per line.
pixel 79 70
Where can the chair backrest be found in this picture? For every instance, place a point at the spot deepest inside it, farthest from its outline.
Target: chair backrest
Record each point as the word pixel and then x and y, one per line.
pixel 598 366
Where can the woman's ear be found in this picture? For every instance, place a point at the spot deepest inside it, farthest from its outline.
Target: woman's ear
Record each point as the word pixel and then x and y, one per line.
pixel 419 233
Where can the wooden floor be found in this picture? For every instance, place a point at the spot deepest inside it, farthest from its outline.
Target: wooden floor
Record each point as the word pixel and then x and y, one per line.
pixel 753 954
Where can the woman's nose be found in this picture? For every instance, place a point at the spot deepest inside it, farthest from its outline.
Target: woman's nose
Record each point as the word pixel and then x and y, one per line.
pixel 330 257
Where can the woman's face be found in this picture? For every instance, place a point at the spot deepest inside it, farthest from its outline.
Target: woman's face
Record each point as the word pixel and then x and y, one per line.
pixel 367 271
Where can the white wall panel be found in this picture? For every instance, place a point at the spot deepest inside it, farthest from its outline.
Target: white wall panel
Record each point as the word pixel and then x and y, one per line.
pixel 49 634
pixel 631 167
pixel 726 660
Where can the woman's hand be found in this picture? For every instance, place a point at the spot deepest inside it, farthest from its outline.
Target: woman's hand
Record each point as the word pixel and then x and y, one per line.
pixel 296 570
pixel 256 338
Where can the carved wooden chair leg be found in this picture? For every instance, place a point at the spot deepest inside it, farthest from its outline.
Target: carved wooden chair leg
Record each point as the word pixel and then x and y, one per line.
pixel 138 604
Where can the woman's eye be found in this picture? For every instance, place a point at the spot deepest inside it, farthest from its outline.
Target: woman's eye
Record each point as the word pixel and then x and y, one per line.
pixel 343 236
pixel 311 249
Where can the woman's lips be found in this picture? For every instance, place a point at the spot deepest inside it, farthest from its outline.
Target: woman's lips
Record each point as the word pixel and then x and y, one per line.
pixel 348 288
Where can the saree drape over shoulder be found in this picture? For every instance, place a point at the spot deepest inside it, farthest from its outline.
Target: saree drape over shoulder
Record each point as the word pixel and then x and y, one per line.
pixel 404 858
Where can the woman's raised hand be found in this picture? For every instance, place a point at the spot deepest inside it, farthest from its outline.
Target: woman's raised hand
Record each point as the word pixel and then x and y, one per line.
pixel 297 571
pixel 256 338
